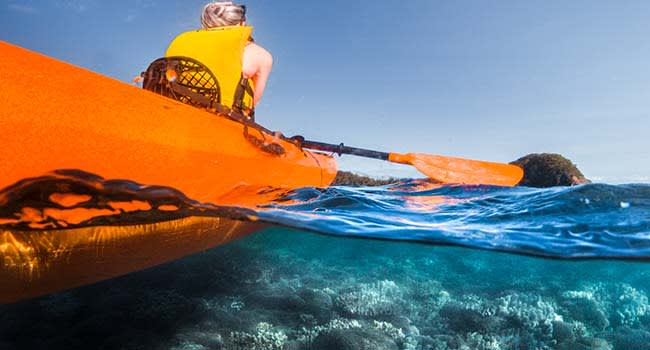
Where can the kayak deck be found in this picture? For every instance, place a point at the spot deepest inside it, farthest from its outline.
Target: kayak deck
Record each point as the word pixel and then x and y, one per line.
pixel 58 116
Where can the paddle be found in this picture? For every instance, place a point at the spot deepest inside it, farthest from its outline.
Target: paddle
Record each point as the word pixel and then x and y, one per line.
pixel 439 168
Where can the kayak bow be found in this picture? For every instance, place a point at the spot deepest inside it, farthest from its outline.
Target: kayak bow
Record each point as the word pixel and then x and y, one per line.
pixel 56 116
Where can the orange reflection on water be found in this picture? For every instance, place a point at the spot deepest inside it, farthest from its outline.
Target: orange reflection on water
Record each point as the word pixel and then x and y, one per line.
pixel 130 205
pixel 427 203
pixel 76 215
pixel 424 203
pixel 45 218
pixel 69 199
pixel 167 207
pixel 252 196
pixel 8 221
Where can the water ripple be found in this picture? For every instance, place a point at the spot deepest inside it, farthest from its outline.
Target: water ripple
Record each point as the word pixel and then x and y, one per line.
pixel 588 221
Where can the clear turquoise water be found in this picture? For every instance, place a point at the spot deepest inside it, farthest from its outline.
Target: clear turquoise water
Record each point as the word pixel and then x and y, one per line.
pixel 313 283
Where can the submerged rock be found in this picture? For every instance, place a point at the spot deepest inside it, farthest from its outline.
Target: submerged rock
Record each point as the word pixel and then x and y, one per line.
pixel 464 320
pixel 588 311
pixel 548 170
pixel 585 343
pixel 628 338
pixel 276 298
pixel 318 303
pixel 562 332
pixel 354 339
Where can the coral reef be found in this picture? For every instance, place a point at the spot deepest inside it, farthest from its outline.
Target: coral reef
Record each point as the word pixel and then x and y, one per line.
pixel 376 299
pixel 353 339
pixel 267 292
pixel 264 338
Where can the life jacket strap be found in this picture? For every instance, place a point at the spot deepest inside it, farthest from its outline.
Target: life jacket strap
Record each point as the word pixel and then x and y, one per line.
pixel 244 89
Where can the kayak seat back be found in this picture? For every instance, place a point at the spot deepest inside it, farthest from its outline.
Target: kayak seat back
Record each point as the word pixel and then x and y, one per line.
pixel 204 68
pixel 183 79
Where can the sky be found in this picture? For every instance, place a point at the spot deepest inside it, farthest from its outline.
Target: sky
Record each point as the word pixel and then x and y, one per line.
pixel 489 80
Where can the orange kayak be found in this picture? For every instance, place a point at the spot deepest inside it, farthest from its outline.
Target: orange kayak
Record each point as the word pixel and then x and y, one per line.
pixel 56 116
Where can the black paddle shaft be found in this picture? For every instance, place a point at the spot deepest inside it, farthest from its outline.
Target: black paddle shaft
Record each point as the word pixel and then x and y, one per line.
pixel 342 149
pixel 315 145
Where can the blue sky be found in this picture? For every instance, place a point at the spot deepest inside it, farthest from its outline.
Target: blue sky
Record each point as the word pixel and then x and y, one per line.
pixel 477 79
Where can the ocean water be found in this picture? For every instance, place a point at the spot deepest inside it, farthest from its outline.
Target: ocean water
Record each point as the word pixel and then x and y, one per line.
pixel 408 266
pixel 590 221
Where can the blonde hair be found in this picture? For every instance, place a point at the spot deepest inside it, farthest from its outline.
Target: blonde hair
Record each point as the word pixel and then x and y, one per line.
pixel 222 13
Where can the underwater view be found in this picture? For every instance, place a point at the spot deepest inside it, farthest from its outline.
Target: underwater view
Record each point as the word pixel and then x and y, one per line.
pixel 411 265
pixel 324 175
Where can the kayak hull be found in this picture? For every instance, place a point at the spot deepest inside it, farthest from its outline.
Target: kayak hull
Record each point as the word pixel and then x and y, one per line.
pixel 41 262
pixel 56 116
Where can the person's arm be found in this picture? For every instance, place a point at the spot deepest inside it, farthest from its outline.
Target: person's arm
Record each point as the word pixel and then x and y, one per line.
pixel 257 66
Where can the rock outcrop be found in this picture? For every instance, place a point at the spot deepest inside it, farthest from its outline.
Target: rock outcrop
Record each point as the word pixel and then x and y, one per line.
pixel 548 170
pixel 346 178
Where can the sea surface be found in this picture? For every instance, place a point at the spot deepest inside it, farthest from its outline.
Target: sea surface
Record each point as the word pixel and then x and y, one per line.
pixel 411 266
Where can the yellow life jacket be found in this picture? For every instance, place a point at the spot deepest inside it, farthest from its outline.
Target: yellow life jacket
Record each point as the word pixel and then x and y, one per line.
pixel 221 50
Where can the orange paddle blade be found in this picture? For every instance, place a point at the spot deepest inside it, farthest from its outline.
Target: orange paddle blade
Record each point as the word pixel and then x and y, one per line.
pixel 461 171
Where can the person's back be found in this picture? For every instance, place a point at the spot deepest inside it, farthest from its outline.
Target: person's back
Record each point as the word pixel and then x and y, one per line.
pixel 257 61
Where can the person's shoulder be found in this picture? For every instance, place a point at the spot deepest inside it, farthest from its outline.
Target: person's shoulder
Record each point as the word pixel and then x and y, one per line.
pixel 259 51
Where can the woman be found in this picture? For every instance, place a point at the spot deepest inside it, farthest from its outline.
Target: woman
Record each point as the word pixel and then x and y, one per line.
pixel 257 61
